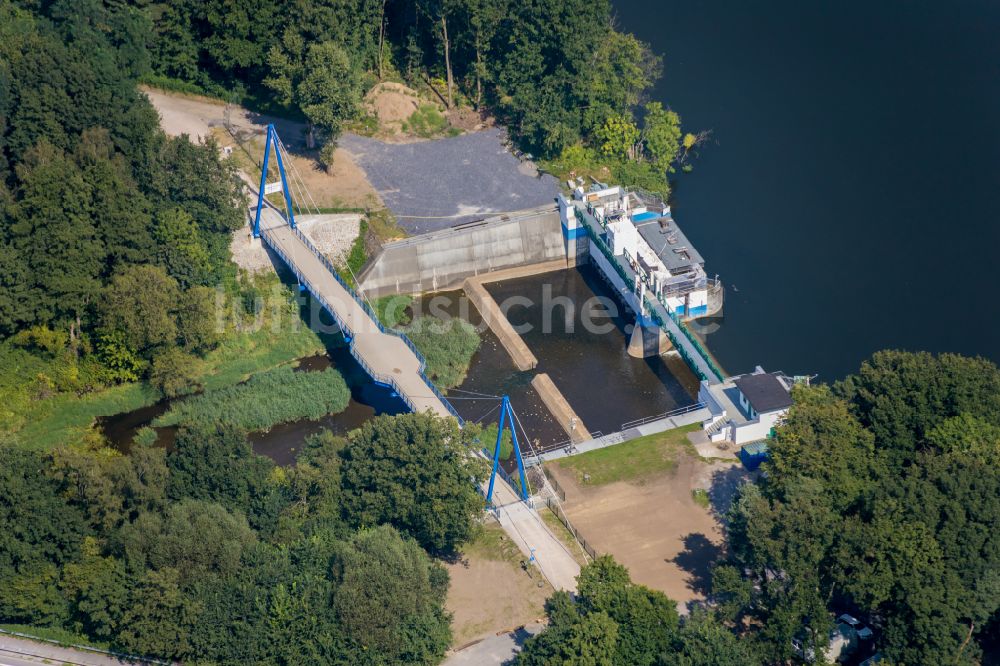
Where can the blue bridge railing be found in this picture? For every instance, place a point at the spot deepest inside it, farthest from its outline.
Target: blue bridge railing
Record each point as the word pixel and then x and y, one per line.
pixel 386 380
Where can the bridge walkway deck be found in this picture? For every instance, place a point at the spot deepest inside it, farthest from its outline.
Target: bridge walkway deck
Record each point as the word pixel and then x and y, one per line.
pixel 387 357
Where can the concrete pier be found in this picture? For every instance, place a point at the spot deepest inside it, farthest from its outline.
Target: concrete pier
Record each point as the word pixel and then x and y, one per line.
pixel 561 411
pixel 498 323
pixel 494 317
pixel 647 341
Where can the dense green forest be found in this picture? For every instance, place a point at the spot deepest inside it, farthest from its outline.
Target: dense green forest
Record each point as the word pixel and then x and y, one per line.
pixel 881 499
pixel 212 554
pixel 112 235
pixel 555 72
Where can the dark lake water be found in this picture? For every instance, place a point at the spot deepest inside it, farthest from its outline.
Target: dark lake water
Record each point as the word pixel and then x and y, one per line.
pixel 850 195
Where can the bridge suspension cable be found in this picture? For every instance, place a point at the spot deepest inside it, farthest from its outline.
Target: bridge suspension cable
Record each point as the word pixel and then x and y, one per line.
pixel 553 494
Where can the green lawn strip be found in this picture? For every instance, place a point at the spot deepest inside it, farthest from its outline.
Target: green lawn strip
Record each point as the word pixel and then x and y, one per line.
pixel 266 399
pixel 559 530
pixel 631 461
pixel 701 498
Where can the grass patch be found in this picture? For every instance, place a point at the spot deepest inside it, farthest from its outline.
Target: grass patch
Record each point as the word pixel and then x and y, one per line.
pixel 68 418
pixel 356 258
pixel 384 226
pixel 588 163
pixel 492 543
pixel 700 497
pixel 631 461
pixel 426 122
pixel 559 530
pixel 488 439
pixel 448 347
pixel 391 310
pixel 267 399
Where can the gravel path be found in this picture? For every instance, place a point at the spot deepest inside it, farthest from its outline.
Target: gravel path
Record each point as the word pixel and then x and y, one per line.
pixel 433 185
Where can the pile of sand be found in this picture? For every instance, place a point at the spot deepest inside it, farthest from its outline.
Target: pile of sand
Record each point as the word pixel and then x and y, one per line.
pixel 391 102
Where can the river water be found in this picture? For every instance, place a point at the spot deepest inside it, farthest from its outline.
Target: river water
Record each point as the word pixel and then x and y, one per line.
pixel 282 442
pixel 850 194
pixel 604 385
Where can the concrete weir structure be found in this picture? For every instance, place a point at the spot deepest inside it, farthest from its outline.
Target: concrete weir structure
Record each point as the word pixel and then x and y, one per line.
pixel 441 260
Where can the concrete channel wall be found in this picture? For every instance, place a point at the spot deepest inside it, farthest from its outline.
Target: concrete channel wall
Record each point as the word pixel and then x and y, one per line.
pixel 498 323
pixel 443 259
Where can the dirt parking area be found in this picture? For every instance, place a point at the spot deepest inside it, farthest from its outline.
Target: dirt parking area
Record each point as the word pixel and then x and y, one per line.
pixel 489 592
pixel 343 185
pixel 653 525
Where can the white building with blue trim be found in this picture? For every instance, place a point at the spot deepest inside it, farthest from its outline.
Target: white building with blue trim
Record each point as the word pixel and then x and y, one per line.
pixel 642 233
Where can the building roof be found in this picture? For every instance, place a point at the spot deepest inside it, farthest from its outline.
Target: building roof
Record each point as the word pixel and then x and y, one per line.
pixel 659 232
pixel 764 391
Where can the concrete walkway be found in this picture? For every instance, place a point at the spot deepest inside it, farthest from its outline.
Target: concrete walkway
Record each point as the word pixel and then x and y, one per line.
pixel 15 651
pixel 495 650
pixel 696 415
pixel 386 357
pixel 527 529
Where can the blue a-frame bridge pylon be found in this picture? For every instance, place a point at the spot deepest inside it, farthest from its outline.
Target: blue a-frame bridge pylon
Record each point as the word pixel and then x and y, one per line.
pixel 507 417
pixel 272 143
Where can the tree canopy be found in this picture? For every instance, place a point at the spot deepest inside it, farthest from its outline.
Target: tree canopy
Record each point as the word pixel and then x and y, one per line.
pixel 880 500
pixel 212 554
pixel 110 231
pixel 615 622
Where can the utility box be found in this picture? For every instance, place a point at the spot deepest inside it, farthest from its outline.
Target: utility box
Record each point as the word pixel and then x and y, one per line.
pixel 752 455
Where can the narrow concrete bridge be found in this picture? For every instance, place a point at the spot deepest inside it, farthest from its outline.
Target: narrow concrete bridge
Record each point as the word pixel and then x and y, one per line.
pixel 387 356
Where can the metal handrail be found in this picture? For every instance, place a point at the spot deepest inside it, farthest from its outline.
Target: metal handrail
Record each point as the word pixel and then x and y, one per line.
pixel 698 347
pixel 666 415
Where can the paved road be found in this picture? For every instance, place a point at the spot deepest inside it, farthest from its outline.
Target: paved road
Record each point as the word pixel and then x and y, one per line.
pixel 387 356
pixel 495 650
pixel 432 185
pixel 16 651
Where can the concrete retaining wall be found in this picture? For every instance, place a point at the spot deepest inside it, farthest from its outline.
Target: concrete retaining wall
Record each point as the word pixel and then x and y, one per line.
pixel 443 259
pixel 498 323
pixel 560 407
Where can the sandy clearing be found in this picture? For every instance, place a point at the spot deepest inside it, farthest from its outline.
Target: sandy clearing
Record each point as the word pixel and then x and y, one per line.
pixel 667 541
pixel 391 102
pixel 489 596
pixel 343 185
